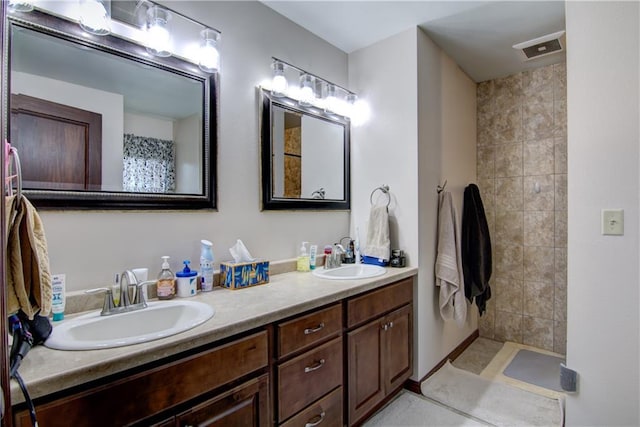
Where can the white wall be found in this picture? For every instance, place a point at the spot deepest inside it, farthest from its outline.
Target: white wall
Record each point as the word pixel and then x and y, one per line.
pixel 188 154
pixel 603 158
pixel 446 151
pixel 113 241
pixel 422 131
pixel 322 151
pixel 109 105
pixel 151 127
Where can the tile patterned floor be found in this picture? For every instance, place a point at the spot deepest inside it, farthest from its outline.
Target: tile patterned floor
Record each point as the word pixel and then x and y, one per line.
pixel 478 355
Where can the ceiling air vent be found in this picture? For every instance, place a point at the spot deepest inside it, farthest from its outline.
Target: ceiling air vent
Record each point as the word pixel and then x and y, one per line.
pixel 541 46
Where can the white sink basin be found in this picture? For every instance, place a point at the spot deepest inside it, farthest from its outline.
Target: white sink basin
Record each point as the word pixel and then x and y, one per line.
pixel 160 319
pixel 350 272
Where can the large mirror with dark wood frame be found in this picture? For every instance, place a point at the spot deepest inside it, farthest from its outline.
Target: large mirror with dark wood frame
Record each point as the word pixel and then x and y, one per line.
pixel 305 156
pixel 100 124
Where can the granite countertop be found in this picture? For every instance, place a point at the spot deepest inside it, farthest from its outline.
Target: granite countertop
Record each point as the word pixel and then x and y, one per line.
pixel 46 370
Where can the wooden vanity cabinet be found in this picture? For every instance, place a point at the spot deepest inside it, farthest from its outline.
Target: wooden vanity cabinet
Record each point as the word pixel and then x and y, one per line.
pixel 379 347
pixel 332 366
pixel 309 369
pixel 224 385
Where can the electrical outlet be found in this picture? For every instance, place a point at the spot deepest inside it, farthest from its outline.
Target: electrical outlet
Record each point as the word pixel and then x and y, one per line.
pixel 613 222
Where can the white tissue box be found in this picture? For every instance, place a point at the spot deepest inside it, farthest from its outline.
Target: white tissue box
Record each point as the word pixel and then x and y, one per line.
pixel 243 274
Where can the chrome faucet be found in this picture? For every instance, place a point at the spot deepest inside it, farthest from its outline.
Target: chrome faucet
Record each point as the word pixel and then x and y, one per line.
pixel 109 307
pixel 334 260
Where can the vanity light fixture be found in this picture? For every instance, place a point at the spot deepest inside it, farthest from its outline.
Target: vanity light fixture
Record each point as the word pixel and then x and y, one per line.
pixel 209 60
pixel 95 16
pixel 158 33
pixel 312 91
pixel 307 90
pixel 279 84
pixel 20 5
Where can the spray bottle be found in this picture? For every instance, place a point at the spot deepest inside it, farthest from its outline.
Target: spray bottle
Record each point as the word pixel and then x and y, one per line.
pixel 206 266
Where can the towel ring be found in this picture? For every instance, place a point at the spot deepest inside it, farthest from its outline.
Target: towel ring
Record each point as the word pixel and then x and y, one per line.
pixel 385 190
pixel 13 153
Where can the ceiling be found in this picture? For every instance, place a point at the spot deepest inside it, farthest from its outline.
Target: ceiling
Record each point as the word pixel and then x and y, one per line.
pixel 478 35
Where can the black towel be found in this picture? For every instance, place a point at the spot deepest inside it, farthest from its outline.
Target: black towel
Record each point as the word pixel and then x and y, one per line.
pixel 476 249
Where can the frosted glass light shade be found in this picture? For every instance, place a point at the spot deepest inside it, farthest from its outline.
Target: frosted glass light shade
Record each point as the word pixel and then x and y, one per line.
pixel 307 90
pixel 158 32
pixel 279 84
pixel 95 16
pixel 209 57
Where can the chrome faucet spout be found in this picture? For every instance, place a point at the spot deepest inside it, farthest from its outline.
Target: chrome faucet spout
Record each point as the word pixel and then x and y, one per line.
pixel 334 260
pixel 131 282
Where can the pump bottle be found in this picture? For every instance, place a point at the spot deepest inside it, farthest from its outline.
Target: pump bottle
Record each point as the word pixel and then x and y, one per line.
pixel 303 263
pixel 166 281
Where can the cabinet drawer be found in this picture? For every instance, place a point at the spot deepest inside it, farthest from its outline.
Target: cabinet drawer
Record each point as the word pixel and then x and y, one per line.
pixel 381 301
pixel 245 405
pixel 326 412
pixel 302 332
pixel 155 390
pixel 305 378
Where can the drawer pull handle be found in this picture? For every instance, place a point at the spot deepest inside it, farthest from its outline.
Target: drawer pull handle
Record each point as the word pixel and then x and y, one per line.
pixel 309 331
pixel 311 423
pixel 314 367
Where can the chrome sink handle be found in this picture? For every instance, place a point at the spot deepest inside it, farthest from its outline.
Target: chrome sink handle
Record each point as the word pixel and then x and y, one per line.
pixel 108 306
pixel 139 299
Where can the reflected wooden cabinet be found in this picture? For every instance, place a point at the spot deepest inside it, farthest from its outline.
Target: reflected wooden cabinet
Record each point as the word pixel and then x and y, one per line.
pixel 379 347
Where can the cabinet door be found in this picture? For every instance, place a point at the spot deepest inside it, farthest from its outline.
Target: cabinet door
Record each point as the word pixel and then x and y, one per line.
pixel 245 405
pixel 398 349
pixel 366 385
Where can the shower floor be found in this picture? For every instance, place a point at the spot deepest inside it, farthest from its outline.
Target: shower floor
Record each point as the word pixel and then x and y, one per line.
pixel 526 367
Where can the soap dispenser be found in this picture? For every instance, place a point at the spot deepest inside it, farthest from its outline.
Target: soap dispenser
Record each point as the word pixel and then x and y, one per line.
pixel 303 258
pixel 166 281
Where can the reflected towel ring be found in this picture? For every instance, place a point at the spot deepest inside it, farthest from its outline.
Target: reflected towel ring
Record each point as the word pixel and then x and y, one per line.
pixel 13 154
pixel 385 190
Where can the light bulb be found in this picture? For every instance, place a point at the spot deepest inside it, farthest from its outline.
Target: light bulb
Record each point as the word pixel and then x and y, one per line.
pixel 331 101
pixel 279 84
pixel 158 35
pixel 95 17
pixel 360 113
pixel 209 60
pixel 307 92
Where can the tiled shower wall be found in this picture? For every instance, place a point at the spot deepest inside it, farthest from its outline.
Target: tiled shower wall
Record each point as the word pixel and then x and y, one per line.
pixel 522 175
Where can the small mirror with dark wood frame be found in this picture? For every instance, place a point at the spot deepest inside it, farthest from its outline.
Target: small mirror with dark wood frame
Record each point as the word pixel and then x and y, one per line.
pixel 305 156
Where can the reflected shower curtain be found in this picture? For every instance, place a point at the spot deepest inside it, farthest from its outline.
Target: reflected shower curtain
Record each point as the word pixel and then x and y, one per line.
pixel 149 165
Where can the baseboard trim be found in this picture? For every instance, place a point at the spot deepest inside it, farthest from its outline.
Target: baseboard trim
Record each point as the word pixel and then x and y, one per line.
pixel 414 386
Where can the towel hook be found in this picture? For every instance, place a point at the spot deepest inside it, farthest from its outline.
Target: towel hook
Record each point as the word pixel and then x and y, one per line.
pixel 440 188
pixel 385 190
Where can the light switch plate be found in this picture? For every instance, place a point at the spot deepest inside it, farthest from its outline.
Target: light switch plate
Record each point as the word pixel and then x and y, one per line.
pixel 613 222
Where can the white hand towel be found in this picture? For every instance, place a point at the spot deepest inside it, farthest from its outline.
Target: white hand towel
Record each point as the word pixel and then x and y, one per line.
pixel 449 264
pixel 378 243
